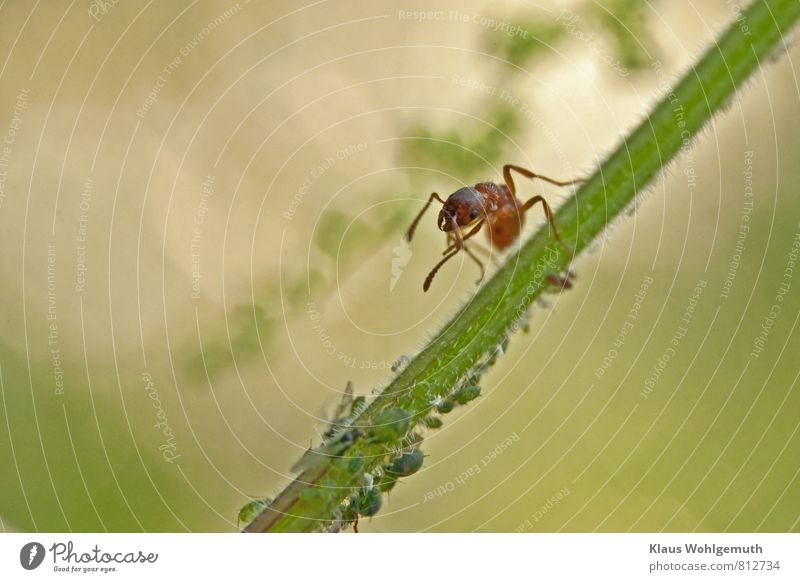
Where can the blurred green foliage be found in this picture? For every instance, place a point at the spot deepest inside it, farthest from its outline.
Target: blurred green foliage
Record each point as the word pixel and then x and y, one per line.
pixel 625 21
pixel 250 327
pixel 536 40
pixel 68 459
pixel 300 289
pixel 464 153
pixel 339 235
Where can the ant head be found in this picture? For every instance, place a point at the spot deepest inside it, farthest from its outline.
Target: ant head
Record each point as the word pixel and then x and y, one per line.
pixel 462 207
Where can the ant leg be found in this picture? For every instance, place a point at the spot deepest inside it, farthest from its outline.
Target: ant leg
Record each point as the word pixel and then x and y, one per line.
pixel 550 219
pixel 413 227
pixel 484 251
pixel 528 174
pixel 459 239
pixel 452 248
pixel 478 262
pixel 429 279
pixel 458 244
pixel 472 256
pixel 548 212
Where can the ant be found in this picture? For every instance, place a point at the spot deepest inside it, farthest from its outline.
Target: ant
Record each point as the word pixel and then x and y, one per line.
pixel 495 205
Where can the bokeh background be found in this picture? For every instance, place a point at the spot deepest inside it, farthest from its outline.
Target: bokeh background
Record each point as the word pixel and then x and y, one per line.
pixel 202 207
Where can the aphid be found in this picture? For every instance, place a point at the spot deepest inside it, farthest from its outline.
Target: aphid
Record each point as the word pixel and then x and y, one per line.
pixel 466 210
pixel 347 514
pixel 433 422
pixel 355 464
pixel 387 483
pixel 369 502
pixel 399 363
pixel 445 406
pixel 387 480
pixel 391 424
pixel 251 510
pixel 366 502
pixel 406 464
pixel 466 394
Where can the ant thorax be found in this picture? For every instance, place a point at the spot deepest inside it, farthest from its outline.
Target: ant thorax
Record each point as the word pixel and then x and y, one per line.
pixel 494 195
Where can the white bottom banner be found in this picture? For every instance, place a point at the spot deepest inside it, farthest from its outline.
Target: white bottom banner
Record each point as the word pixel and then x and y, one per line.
pixel 389 557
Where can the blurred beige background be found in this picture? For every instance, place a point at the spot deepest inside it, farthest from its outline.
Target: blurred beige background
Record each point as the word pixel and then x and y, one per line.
pixel 202 207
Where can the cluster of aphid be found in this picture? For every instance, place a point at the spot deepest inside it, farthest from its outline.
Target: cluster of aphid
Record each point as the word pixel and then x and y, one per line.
pixel 367 500
pixel 392 425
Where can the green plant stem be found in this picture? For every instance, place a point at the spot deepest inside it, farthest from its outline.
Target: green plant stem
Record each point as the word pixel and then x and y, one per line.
pixel 461 349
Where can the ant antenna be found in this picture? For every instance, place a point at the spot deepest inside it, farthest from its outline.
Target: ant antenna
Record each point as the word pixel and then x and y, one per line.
pixel 427 284
pixel 413 227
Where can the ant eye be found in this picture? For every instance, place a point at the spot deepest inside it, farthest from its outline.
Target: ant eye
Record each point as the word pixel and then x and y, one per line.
pixel 473 214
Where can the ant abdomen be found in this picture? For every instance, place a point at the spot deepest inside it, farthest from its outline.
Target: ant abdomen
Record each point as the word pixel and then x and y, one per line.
pixel 504 226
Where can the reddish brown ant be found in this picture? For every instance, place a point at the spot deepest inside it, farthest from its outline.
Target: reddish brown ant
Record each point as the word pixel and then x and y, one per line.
pixel 496 206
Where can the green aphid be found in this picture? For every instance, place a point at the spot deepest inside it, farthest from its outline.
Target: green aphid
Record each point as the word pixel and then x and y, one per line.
pixel 406 464
pixel 355 464
pixel 466 394
pixel 369 502
pixel 390 425
pixel 433 422
pixel 387 482
pixel 250 511
pixel 445 406
pixel 349 513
